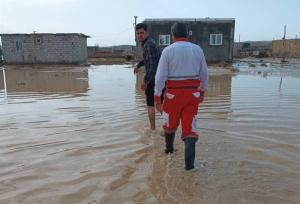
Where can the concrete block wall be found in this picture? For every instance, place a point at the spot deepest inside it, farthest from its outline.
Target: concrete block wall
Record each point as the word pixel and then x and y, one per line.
pixel 10 51
pixel 45 48
pixel 200 35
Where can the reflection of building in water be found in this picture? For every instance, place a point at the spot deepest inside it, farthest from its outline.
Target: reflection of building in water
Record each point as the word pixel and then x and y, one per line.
pixel 219 85
pixel 217 104
pixel 217 101
pixel 48 81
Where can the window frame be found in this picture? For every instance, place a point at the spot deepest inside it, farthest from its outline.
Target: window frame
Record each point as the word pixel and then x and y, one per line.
pixel 214 37
pixel 164 36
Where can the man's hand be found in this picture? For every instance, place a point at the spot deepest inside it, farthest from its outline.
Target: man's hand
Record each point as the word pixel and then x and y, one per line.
pixel 135 70
pixel 144 86
pixel 158 107
pixel 202 93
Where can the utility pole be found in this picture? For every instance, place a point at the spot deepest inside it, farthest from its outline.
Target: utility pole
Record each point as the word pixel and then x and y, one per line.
pixel 284 45
pixel 136 42
pixel 239 47
pixel 284 34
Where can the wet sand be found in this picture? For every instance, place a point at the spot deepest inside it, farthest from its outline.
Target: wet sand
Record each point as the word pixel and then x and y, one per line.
pixel 89 144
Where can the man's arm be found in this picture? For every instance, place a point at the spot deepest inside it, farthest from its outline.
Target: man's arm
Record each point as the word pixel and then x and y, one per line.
pixel 151 57
pixel 203 74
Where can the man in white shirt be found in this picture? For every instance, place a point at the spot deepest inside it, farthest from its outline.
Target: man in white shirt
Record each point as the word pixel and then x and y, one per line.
pixel 182 69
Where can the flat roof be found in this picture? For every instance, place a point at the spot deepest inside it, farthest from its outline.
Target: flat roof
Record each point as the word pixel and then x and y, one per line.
pixel 18 34
pixel 190 19
pixel 292 39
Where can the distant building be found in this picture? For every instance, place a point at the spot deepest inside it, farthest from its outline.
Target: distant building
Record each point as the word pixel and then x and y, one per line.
pixel 110 51
pixel 252 49
pixel 214 35
pixel 91 50
pixel 44 48
pixel 286 48
pixel 124 49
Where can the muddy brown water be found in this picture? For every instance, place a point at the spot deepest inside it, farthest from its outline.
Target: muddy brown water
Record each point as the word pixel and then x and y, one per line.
pixel 79 136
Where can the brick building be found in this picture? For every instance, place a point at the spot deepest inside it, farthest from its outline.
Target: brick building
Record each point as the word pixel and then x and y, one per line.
pixel 44 48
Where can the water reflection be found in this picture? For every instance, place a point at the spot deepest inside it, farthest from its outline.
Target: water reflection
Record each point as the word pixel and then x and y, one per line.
pixel 46 80
pixel 61 149
pixel 218 95
pixel 219 85
pixel 93 149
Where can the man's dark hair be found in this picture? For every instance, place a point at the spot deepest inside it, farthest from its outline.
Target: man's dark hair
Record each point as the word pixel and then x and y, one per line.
pixel 141 25
pixel 179 30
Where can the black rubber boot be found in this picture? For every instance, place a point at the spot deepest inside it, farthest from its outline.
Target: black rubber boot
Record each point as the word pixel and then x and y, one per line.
pixel 189 154
pixel 169 139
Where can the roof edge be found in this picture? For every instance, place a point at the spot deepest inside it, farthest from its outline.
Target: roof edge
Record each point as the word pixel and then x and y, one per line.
pixel 190 19
pixel 79 34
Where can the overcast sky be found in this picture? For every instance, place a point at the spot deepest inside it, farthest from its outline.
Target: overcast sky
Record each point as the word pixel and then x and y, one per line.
pixel 110 22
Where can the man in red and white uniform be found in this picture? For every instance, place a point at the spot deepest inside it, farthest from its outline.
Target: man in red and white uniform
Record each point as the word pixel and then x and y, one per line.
pixel 182 69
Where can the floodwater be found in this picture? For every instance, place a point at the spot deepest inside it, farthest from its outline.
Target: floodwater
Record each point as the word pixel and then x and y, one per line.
pixel 79 136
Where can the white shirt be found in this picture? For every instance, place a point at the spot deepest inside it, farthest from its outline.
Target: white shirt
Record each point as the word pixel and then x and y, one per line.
pixel 181 61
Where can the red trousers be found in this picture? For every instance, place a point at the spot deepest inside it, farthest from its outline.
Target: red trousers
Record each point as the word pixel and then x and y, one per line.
pixel 181 101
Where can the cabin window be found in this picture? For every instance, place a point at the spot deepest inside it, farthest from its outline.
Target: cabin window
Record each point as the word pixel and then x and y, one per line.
pixel 216 39
pixel 164 39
